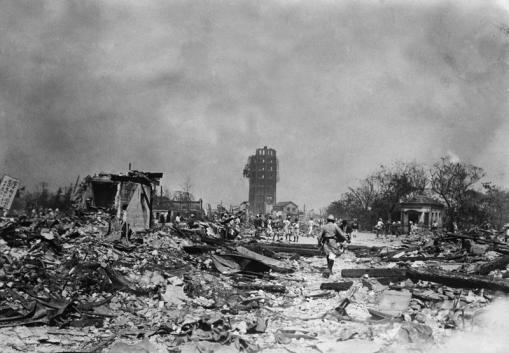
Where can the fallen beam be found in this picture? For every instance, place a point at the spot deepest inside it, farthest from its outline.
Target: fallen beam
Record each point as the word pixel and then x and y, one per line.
pixel 496 264
pixel 502 250
pixel 373 272
pixel 283 249
pixel 388 280
pixel 305 249
pixel 391 253
pixel 458 280
pixel 337 286
pixel 264 287
pixel 198 249
pixel 424 258
pixel 476 239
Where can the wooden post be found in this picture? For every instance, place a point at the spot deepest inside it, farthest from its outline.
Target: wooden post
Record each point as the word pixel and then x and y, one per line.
pixel 151 202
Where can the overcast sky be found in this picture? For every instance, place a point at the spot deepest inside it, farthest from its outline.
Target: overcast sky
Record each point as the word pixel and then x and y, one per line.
pixel 192 88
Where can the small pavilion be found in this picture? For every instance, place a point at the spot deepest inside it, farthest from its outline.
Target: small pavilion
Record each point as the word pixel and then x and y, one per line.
pixel 421 210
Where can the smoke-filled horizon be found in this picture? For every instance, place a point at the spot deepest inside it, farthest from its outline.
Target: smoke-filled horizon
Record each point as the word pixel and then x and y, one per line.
pixel 193 88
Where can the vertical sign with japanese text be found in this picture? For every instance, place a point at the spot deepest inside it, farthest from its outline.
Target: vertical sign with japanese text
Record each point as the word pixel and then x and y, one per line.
pixel 8 188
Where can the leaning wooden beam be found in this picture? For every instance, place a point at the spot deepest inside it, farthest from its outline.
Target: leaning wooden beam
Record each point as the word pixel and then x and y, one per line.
pixel 496 264
pixel 289 245
pixel 274 264
pixel 458 280
pixel 373 272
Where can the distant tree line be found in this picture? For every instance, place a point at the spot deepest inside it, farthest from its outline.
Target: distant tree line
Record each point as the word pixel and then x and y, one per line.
pixel 468 201
pixel 43 198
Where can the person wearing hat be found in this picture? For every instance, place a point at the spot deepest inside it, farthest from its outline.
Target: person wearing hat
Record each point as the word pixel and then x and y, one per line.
pixel 330 240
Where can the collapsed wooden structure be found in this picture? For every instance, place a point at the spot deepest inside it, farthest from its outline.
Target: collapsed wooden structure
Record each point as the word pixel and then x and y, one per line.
pixel 132 192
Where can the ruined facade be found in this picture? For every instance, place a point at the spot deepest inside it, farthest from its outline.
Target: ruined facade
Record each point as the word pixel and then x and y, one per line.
pixel 262 169
pixel 133 191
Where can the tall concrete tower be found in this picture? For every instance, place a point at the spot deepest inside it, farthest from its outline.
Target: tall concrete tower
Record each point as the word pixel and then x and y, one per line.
pixel 262 169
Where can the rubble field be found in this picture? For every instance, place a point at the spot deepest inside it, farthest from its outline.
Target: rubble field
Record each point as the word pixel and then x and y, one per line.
pixel 71 284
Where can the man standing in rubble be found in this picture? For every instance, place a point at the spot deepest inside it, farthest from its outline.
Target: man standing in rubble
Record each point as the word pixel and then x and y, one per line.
pixel 258 225
pixel 379 227
pixel 331 240
pixel 286 227
pixel 125 232
pixel 311 224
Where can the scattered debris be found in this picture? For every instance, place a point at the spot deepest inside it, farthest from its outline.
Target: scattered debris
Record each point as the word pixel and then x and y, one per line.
pixel 74 282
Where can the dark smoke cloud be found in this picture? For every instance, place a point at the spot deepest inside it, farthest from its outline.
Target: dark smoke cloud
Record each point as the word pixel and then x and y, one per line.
pixel 193 88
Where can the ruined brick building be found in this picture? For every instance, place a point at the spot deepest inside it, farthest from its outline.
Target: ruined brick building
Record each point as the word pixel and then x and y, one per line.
pixel 262 169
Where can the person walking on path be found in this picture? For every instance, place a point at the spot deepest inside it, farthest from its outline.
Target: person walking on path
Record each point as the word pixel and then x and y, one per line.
pixel 379 227
pixel 355 227
pixel 331 241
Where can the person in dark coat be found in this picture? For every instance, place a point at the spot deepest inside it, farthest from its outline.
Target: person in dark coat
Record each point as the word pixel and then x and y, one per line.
pixel 331 241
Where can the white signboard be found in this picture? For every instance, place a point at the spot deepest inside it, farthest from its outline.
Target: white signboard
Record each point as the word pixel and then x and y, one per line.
pixel 8 188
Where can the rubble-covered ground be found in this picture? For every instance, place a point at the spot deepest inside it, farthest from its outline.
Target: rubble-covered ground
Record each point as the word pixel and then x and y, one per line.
pixel 71 285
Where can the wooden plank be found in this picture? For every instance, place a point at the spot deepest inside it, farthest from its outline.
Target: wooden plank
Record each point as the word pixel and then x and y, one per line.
pixel 265 287
pixel 337 286
pixel 499 263
pixel 424 258
pixel 476 239
pixel 458 280
pixel 224 265
pixel 373 272
pixel 388 280
pixel 284 249
pixel 306 249
pixel 274 264
pixel 198 249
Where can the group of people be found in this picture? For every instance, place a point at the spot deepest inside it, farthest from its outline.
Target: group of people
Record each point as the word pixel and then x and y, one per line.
pixel 278 228
pixel 389 228
pixel 45 213
pixel 290 228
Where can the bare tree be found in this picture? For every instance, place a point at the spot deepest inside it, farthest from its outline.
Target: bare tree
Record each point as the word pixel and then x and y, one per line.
pixel 380 193
pixel 167 193
pixel 396 182
pixel 184 194
pixel 187 185
pixel 497 203
pixel 452 181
